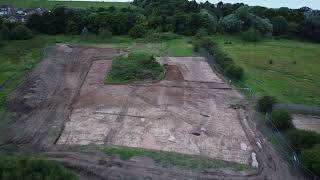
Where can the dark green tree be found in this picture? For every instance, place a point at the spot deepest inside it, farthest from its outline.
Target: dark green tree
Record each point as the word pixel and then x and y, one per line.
pixel 280 25
pixel 21 32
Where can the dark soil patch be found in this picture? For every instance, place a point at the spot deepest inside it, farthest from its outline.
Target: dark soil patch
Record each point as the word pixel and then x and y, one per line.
pixel 173 73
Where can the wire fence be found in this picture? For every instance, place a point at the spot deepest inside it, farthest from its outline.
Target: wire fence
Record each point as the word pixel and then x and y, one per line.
pixel 264 124
pixel 298 108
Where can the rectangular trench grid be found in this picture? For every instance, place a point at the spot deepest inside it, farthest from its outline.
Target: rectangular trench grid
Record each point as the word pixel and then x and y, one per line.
pixel 187 112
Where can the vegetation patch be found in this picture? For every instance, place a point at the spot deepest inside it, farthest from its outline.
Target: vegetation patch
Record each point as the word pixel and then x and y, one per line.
pixel 285 69
pixel 171 159
pixel 137 66
pixel 14 168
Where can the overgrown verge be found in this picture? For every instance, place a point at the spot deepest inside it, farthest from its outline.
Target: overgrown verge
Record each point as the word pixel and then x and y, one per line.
pixel 305 143
pixel 14 168
pixel 230 69
pixel 138 66
pixel 172 159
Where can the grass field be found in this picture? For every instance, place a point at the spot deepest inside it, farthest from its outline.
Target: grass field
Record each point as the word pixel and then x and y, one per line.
pixel 74 4
pixel 286 69
pixel 172 159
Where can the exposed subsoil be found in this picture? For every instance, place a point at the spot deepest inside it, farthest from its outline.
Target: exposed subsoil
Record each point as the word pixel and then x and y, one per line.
pixel 64 103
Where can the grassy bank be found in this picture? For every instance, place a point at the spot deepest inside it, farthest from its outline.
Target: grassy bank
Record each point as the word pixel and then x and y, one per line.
pixel 73 4
pixel 171 159
pixel 286 69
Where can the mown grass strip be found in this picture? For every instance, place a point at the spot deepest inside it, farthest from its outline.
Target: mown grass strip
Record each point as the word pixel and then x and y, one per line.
pixel 172 159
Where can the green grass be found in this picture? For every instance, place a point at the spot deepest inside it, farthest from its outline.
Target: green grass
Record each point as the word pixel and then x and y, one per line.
pixel 14 168
pixel 171 159
pixel 294 76
pixel 71 4
pixel 137 66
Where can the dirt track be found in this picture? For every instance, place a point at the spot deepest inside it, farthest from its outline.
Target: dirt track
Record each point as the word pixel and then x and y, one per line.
pixel 64 102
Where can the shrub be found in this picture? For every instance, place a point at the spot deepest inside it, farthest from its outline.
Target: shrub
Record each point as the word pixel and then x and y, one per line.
pixel 4 33
pixel 311 159
pixel 266 103
pixel 21 32
pixel 201 33
pixel 231 23
pixel 301 139
pixel 281 119
pixel 280 25
pixel 135 67
pixel 252 35
pixel 138 31
pixel 156 36
pixel 105 33
pixel 31 168
pixel 234 72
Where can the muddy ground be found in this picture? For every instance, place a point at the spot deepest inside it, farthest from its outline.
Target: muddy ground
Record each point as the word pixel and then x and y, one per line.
pixel 64 103
pixel 307 122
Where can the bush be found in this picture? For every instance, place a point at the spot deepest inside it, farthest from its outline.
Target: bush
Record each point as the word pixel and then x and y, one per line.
pixel 31 168
pixel 201 33
pixel 157 37
pixel 281 119
pixel 311 159
pixel 301 139
pixel 266 103
pixel 135 67
pixel 252 35
pixel 234 72
pixel 4 33
pixel 138 31
pixel 280 25
pixel 105 33
pixel 21 32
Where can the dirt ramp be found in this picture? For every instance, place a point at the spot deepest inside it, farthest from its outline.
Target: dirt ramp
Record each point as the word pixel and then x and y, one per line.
pixel 40 106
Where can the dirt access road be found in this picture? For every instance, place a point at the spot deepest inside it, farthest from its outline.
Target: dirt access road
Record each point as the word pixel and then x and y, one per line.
pixel 64 103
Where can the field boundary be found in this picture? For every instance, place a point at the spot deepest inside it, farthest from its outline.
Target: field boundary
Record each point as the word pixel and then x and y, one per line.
pixel 264 123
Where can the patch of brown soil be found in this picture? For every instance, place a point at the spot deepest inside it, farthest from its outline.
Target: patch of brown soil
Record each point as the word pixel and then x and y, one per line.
pixel 173 73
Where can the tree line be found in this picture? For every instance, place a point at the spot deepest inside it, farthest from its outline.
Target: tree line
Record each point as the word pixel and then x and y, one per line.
pixel 179 16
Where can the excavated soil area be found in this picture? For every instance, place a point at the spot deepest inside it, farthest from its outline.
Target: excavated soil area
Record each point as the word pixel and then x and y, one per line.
pixel 39 108
pixel 63 111
pixel 307 122
pixel 191 111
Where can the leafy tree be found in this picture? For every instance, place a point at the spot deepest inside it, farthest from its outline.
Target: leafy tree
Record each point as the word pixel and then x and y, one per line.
pixel 281 119
pixel 4 33
pixel 234 72
pixel 105 33
pixel 21 32
pixel 72 28
pixel 137 31
pixel 201 33
pixel 266 103
pixel 252 35
pixel 262 24
pixel 280 25
pixel 243 13
pixel 231 23
pixel 310 29
pixel 35 22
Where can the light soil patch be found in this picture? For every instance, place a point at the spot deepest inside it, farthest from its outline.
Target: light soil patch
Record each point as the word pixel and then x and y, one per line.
pixel 307 122
pixel 191 111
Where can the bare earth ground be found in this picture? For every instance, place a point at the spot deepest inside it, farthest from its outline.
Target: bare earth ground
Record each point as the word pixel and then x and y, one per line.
pixel 64 103
pixel 307 122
